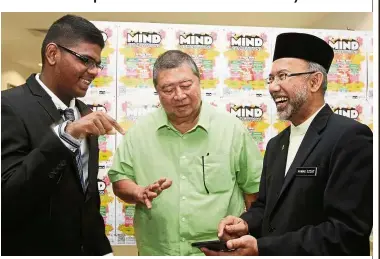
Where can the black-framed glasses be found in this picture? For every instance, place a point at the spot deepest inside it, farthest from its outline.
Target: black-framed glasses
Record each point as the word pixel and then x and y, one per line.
pixel 89 62
pixel 282 76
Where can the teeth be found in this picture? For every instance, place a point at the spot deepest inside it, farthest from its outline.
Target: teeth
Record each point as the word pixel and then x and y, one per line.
pixel 86 81
pixel 281 99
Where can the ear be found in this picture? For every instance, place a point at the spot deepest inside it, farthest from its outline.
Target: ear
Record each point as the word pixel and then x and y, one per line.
pixel 316 82
pixel 51 54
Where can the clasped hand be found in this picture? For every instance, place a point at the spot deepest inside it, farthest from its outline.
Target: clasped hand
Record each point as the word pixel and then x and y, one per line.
pixel 234 231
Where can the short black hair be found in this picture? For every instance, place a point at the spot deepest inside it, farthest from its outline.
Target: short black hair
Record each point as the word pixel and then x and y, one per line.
pixel 70 30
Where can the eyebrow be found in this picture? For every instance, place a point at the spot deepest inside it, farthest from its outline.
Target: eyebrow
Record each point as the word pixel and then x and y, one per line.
pixel 282 70
pixel 171 84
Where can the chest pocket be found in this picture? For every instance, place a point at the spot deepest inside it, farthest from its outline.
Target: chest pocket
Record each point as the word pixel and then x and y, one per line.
pixel 217 173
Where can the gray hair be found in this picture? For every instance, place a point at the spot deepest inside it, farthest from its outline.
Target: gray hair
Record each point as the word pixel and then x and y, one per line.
pixel 316 67
pixel 173 59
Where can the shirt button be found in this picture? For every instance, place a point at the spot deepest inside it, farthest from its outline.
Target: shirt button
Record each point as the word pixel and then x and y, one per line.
pixel 183 177
pixel 183 198
pixel 183 239
pixel 183 157
pixel 183 219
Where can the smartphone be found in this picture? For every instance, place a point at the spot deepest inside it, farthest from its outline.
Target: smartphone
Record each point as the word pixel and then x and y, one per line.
pixel 215 245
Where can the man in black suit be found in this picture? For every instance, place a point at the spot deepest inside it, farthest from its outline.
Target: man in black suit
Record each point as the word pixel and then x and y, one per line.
pixel 49 150
pixel 315 194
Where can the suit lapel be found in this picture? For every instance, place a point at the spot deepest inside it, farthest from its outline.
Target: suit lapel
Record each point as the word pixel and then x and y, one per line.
pixel 47 103
pixel 277 174
pixel 43 99
pixel 308 144
pixel 92 149
pixel 93 164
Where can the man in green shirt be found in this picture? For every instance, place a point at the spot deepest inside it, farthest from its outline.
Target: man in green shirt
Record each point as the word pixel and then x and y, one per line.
pixel 213 164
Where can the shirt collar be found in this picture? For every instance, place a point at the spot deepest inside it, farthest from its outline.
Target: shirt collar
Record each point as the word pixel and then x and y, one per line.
pixel 303 127
pixel 204 118
pixel 57 102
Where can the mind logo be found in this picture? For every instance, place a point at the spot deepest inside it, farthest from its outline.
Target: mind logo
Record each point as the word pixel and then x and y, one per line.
pixel 101 186
pixel 347 112
pixel 344 44
pixel 245 41
pixel 195 40
pixel 246 112
pixel 143 38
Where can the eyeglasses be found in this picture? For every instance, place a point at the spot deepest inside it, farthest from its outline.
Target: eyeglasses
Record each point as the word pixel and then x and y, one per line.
pixel 282 76
pixel 89 62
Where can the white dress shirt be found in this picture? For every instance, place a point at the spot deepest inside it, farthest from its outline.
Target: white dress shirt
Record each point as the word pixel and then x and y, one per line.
pixel 297 133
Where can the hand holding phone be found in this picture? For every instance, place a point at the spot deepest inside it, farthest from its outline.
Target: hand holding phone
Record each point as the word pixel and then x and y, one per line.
pixel 232 227
pixel 214 245
pixel 245 245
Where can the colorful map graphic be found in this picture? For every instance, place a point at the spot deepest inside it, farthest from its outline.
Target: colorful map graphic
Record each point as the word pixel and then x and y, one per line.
pixel 247 60
pixel 201 47
pixel 348 69
pixel 138 51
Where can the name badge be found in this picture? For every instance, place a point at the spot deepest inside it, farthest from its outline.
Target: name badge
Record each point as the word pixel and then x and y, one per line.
pixel 306 171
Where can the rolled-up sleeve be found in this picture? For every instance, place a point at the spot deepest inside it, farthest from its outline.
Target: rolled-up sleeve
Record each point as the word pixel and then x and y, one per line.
pixel 122 166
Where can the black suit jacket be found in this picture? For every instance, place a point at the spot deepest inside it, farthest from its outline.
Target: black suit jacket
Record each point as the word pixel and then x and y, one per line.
pixel 326 214
pixel 44 210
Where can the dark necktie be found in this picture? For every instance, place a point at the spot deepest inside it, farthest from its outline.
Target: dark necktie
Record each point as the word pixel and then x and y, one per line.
pixel 69 115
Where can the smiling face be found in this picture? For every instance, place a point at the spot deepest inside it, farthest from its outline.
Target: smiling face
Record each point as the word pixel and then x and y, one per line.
pixel 73 75
pixel 179 92
pixel 290 94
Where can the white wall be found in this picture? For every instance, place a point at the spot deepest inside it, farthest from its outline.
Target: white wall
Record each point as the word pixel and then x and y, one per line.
pixel 342 21
pixel 13 73
pixel 366 24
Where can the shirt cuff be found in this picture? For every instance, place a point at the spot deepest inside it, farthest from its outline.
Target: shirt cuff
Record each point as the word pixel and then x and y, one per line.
pixel 69 141
pixel 117 176
pixel 254 188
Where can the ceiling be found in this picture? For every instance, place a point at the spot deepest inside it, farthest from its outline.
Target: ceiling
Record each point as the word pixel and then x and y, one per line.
pixel 22 33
